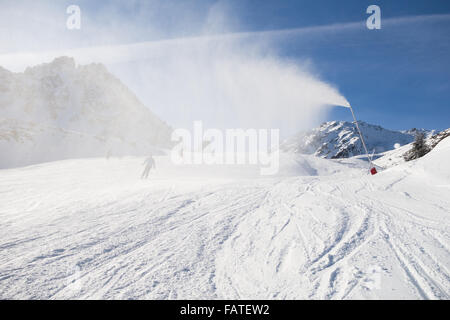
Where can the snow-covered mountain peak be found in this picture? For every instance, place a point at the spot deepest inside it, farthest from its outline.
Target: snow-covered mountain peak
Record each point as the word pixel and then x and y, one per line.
pixel 59 65
pixel 340 139
pixel 86 100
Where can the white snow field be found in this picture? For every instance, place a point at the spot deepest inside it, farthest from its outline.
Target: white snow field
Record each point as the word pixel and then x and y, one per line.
pixel 321 229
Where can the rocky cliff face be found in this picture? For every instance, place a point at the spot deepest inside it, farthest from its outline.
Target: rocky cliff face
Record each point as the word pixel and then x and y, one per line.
pixel 84 110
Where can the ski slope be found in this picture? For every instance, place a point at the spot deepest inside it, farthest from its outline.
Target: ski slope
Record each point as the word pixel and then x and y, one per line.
pixel 321 229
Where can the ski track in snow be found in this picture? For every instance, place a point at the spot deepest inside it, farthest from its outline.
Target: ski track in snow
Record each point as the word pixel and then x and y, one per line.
pixel 89 229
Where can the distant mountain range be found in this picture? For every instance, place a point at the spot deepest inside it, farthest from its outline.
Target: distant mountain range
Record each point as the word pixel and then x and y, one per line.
pixel 340 139
pixel 59 110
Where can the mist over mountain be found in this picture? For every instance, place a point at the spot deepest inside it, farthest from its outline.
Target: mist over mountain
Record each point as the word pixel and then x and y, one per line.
pixel 59 110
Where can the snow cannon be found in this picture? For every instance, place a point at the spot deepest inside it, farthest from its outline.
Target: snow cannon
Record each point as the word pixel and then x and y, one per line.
pixel 372 168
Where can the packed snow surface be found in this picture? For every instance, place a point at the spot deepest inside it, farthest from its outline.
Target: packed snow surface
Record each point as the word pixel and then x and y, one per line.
pixel 321 229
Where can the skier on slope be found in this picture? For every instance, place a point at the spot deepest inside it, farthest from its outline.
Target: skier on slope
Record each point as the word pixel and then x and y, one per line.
pixel 149 163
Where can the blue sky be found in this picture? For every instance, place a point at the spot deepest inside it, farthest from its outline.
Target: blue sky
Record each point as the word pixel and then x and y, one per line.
pixel 397 77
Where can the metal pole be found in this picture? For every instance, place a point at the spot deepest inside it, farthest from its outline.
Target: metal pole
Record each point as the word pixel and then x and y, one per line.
pixel 360 134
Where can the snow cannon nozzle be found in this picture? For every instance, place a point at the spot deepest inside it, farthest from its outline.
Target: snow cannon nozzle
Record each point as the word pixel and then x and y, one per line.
pixel 346 104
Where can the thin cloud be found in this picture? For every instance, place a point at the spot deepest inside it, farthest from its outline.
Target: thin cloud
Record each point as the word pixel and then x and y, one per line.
pixel 146 50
